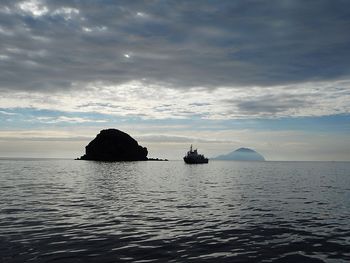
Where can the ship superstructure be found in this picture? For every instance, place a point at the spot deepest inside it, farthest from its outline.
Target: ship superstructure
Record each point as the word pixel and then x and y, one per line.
pixel 192 157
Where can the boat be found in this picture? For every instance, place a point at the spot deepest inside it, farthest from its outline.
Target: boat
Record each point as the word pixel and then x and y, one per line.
pixel 192 157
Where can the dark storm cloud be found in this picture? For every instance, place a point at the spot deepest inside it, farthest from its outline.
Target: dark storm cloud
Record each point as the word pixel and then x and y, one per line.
pixel 54 45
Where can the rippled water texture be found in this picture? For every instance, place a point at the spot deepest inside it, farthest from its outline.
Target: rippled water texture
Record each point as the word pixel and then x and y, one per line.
pixel 80 211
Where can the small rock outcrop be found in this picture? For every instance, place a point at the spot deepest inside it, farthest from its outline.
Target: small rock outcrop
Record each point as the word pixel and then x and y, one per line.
pixel 114 145
pixel 242 154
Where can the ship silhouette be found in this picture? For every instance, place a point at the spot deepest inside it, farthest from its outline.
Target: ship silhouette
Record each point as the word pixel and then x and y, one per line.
pixel 192 157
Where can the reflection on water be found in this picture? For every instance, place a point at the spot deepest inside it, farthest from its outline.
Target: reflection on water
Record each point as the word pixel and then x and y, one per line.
pixel 79 211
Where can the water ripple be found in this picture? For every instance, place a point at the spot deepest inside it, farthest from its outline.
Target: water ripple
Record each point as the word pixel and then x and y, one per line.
pixel 76 211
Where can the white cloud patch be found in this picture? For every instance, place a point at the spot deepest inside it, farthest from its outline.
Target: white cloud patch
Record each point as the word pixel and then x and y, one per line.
pixel 161 138
pixel 38 8
pixel 7 113
pixel 150 101
pixel 66 12
pixel 36 134
pixel 66 119
pixel 95 29
pixel 4 57
pixel 33 7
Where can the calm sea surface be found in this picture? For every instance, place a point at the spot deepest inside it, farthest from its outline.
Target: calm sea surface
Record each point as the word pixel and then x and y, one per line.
pixel 80 211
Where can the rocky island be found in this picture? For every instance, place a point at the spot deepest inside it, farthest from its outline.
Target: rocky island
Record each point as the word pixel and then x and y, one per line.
pixel 114 145
pixel 242 154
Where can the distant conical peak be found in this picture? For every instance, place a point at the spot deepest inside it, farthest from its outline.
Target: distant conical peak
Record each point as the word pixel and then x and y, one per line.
pixel 242 149
pixel 242 154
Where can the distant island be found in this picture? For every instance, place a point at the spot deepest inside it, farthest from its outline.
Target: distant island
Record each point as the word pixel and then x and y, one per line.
pixel 241 154
pixel 113 145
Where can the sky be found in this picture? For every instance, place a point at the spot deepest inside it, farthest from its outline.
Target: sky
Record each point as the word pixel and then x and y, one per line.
pixel 273 76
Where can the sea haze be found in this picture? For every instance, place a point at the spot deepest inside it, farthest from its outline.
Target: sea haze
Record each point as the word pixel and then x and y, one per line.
pixel 85 211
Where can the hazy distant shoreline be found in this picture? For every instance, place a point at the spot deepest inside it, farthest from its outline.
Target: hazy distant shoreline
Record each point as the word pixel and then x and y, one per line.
pixel 170 160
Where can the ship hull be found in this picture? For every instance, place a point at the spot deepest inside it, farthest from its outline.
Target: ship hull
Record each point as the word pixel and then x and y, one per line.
pixel 195 161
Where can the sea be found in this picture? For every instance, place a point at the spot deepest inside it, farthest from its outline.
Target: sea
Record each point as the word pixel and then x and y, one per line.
pixel 54 210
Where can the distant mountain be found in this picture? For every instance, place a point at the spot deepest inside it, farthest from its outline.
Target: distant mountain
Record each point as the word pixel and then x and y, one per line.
pixel 242 154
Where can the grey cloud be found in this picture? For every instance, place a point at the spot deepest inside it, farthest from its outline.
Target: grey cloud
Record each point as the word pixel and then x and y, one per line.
pixel 45 139
pixel 199 104
pixel 97 104
pixel 67 119
pixel 176 139
pixel 273 105
pixel 177 43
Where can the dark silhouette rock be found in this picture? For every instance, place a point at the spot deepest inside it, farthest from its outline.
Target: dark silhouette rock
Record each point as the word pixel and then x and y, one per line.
pixel 114 145
pixel 157 159
pixel 242 154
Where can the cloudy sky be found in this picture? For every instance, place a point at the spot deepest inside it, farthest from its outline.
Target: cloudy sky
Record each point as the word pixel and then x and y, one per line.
pixel 270 75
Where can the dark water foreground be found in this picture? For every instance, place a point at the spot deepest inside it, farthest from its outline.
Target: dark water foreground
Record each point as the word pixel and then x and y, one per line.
pixel 79 211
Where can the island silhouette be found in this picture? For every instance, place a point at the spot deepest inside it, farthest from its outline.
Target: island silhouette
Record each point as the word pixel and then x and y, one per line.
pixel 113 145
